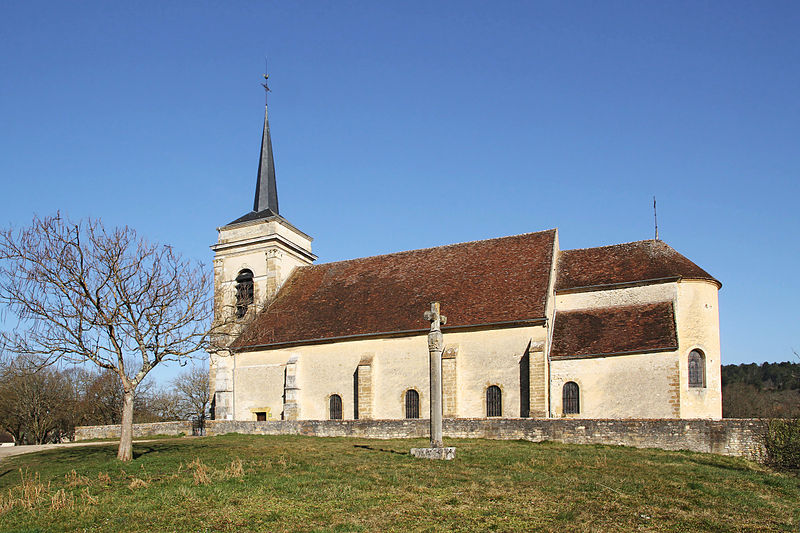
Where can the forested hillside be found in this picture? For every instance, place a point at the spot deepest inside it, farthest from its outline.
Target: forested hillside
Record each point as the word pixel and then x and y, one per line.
pixel 765 390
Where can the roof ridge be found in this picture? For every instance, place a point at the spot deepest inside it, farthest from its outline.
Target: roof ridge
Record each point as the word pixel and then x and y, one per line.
pixel 623 307
pixel 642 241
pixel 402 252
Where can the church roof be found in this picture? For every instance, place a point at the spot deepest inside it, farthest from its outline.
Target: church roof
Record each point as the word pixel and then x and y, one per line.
pixel 614 331
pixel 495 281
pixel 624 263
pixel 254 215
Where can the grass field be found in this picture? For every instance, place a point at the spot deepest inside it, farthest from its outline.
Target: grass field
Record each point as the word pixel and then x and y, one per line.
pixel 255 483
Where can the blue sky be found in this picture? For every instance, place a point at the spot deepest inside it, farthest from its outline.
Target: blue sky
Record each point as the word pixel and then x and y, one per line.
pixel 411 124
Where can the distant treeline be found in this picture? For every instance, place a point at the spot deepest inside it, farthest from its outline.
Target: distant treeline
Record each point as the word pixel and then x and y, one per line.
pixel 766 390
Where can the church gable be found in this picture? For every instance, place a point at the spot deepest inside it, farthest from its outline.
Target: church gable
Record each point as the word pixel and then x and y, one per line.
pixel 632 262
pixel 497 281
pixel 614 331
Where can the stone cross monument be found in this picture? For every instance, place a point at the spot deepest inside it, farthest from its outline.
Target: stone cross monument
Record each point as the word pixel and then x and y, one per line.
pixel 435 347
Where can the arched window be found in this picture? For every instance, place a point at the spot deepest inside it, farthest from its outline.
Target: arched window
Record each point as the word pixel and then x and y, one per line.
pixel 494 401
pixel 412 404
pixel 571 398
pixel 244 292
pixel 335 407
pixel 697 369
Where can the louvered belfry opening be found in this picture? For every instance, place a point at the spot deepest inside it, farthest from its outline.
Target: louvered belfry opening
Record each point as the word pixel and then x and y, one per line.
pixel 494 401
pixel 335 407
pixel 244 292
pixel 571 398
pixel 412 404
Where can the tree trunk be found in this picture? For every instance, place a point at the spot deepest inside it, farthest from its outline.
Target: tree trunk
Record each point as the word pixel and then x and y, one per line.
pixel 125 452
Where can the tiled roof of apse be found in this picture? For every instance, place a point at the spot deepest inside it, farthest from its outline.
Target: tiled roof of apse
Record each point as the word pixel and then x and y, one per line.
pixel 624 263
pixel 614 330
pixel 482 282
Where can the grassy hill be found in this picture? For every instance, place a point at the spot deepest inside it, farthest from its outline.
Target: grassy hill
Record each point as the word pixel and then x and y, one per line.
pixel 257 483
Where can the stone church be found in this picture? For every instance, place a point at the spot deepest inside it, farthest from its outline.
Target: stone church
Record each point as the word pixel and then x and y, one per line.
pixel 623 331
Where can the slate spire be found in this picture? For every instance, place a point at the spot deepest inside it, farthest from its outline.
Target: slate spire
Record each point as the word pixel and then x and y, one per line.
pixel 265 204
pixel 266 189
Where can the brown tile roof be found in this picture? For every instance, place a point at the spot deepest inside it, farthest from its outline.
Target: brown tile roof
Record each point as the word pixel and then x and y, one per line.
pixel 614 330
pixel 481 282
pixel 624 263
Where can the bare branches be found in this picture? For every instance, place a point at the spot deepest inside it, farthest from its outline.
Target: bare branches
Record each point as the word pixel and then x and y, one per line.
pixel 193 392
pixel 81 292
pixel 84 293
pixel 36 405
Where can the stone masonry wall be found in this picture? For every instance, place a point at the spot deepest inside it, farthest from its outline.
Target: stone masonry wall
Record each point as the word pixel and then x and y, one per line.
pixel 365 390
pixel 449 382
pixel 139 430
pixel 737 437
pixel 537 371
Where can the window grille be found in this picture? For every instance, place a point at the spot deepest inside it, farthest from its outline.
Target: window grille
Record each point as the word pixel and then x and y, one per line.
pixel 335 407
pixel 571 398
pixel 697 369
pixel 494 401
pixel 412 404
pixel 244 292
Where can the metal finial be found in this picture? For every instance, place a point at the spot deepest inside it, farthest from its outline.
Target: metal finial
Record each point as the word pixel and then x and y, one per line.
pixel 655 216
pixel 265 85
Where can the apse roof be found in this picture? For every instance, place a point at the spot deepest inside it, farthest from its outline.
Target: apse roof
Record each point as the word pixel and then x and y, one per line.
pixel 614 331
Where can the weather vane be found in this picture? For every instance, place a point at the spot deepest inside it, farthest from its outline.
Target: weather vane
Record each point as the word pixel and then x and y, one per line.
pixel 265 85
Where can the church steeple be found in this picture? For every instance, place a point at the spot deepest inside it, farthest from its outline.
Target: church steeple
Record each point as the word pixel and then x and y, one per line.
pixel 265 204
pixel 266 189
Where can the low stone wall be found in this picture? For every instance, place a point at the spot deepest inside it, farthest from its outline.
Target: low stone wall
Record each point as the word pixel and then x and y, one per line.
pixel 139 430
pixel 737 437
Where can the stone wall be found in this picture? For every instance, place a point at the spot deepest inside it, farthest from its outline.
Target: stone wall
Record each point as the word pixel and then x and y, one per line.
pixel 139 430
pixel 737 437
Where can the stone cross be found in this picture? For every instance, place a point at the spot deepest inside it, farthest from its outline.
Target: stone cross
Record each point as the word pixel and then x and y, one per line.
pixel 436 319
pixel 437 449
pixel 435 346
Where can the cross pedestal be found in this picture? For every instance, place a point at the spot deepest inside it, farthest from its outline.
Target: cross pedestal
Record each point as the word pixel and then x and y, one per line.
pixel 437 449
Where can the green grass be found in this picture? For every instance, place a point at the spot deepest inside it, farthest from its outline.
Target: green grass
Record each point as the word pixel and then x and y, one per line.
pixel 343 484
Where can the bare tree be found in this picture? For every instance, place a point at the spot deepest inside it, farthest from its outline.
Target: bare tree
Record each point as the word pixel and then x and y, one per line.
pixel 83 293
pixel 36 405
pixel 194 394
pixel 103 395
pixel 163 405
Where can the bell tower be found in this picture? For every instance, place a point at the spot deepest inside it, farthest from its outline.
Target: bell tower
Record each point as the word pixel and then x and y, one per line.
pixel 253 256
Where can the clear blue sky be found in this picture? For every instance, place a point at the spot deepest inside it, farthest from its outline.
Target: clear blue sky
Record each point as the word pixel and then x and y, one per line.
pixel 412 124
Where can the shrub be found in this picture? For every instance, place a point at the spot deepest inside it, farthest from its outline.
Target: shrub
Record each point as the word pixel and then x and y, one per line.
pixel 782 444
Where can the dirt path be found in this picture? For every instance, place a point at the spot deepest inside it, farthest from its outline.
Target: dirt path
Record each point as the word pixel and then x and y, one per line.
pixel 9 451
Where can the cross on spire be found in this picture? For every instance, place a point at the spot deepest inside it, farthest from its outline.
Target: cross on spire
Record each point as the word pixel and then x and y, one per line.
pixel 266 198
pixel 265 85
